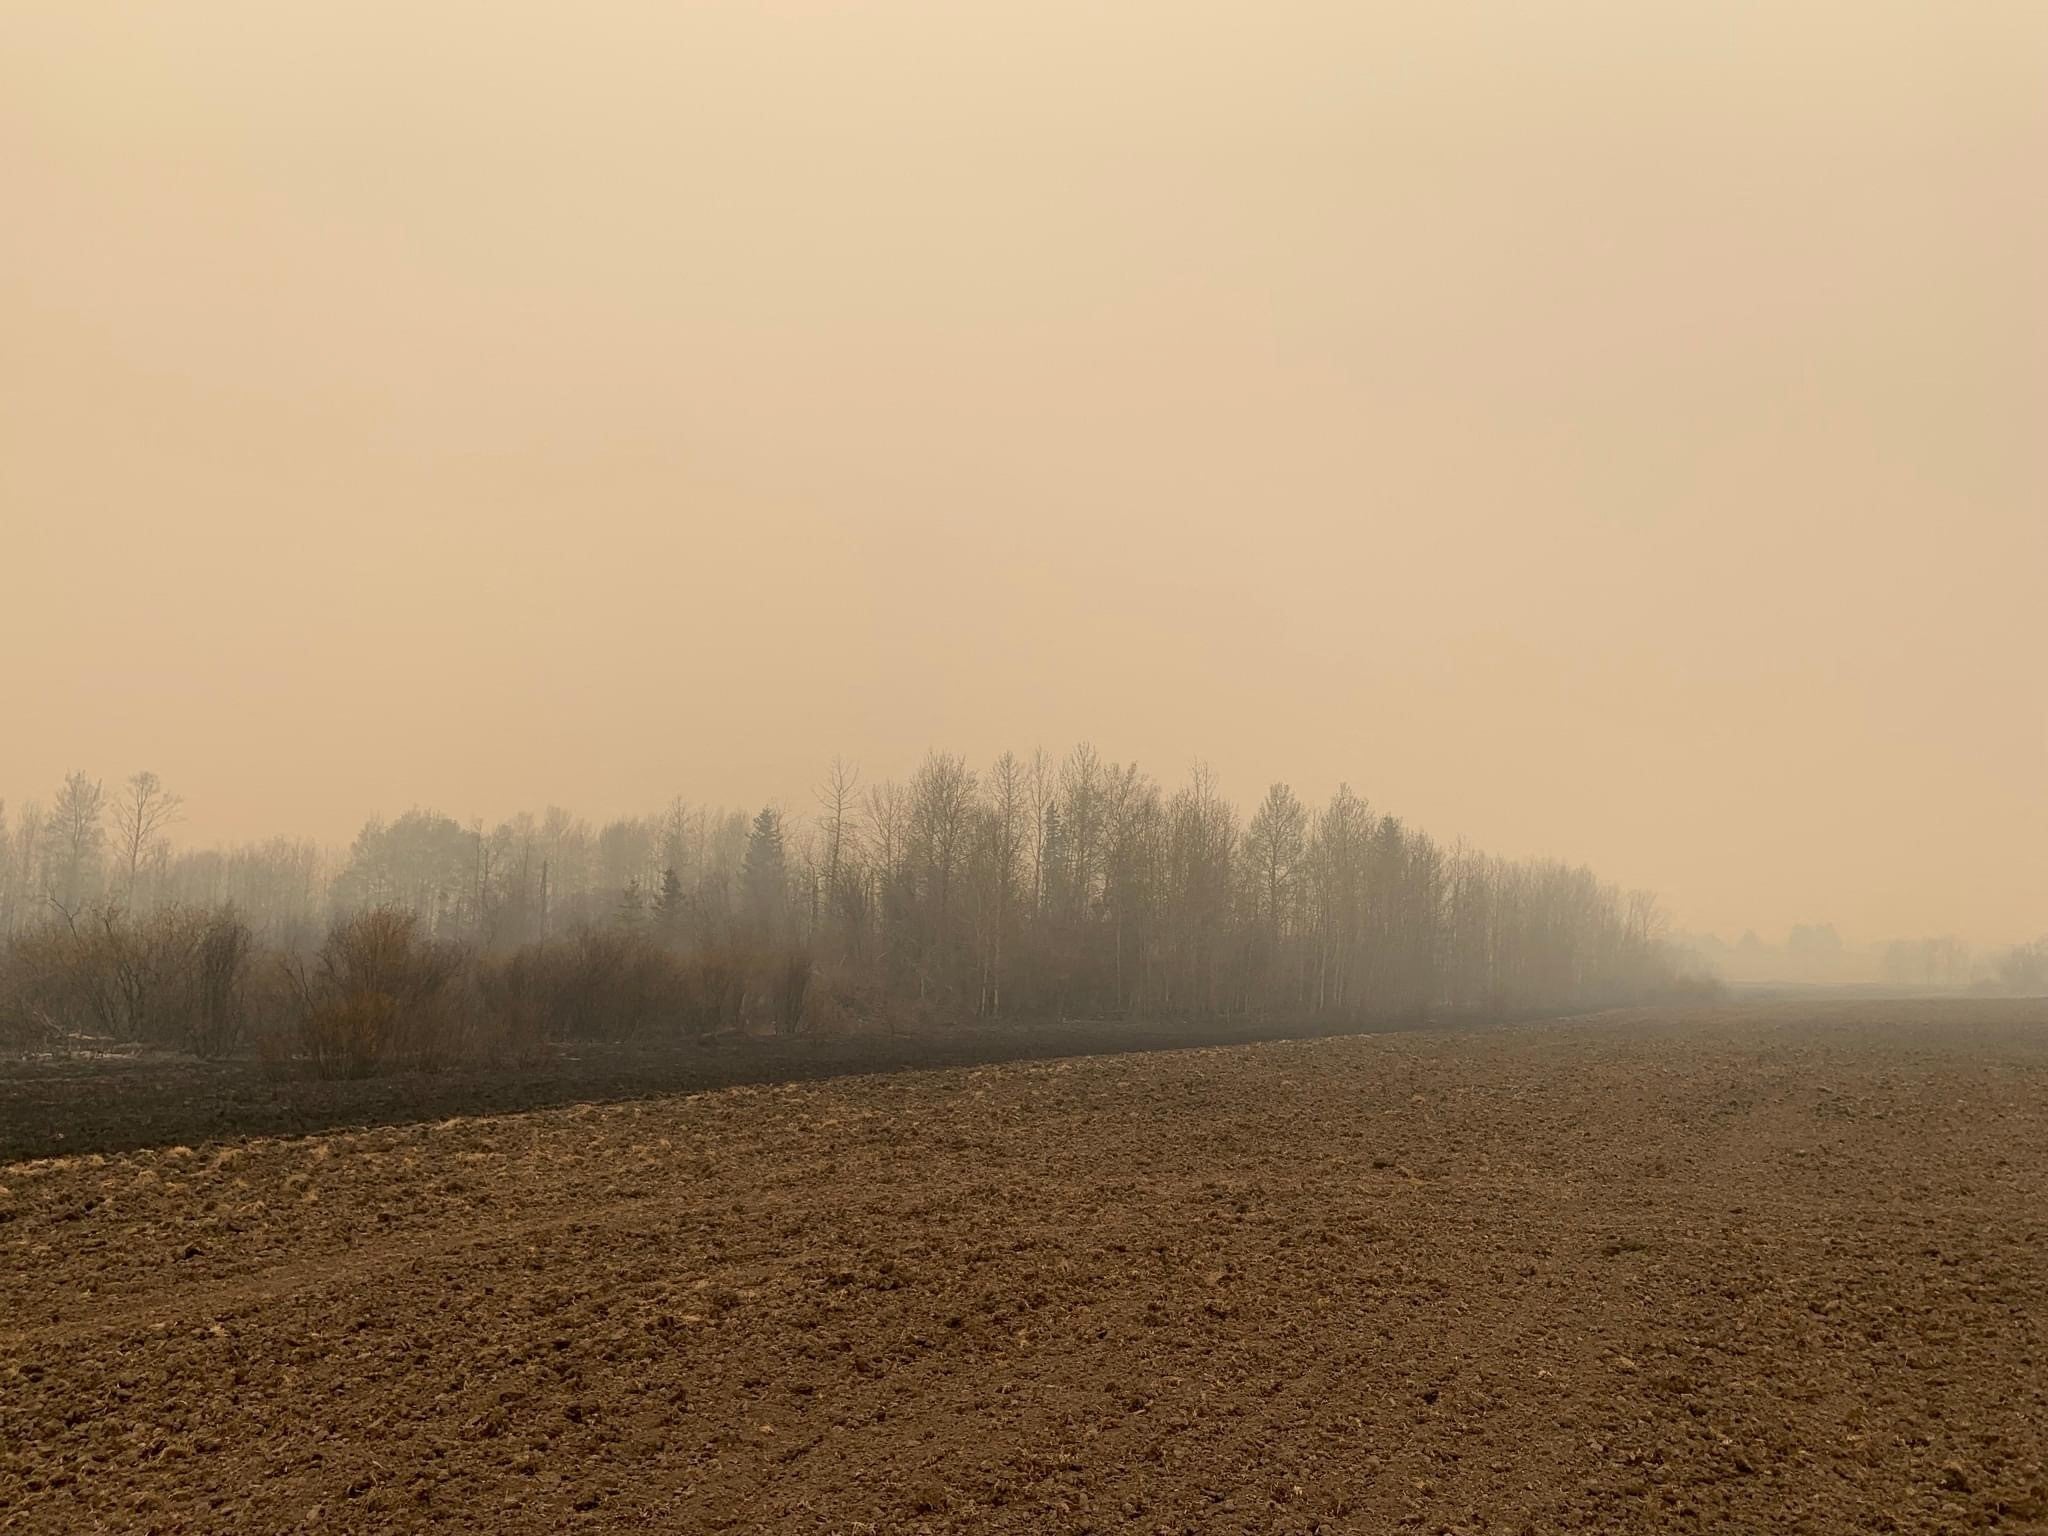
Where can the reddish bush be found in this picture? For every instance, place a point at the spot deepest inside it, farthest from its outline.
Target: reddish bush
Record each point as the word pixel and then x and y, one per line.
pixel 377 997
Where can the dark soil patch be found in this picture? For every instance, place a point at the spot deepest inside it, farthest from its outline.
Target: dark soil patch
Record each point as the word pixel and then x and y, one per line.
pixel 62 1106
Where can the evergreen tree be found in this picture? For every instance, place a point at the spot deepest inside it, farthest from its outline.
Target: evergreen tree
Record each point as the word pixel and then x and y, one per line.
pixel 668 905
pixel 764 872
pixel 631 913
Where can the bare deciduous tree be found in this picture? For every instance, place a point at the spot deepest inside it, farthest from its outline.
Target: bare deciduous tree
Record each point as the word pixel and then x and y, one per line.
pixel 75 837
pixel 142 813
pixel 1077 888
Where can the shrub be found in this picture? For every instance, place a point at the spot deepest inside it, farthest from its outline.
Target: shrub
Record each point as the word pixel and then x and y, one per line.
pixel 378 996
pixel 614 984
pixel 215 1005
pixel 512 996
pixel 173 977
pixel 599 984
pixel 788 981
pixel 351 1034
pixel 43 992
pixel 842 1002
pixel 25 1025
pixel 714 991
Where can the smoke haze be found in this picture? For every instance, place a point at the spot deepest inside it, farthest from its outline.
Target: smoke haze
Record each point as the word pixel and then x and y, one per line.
pixel 1596 430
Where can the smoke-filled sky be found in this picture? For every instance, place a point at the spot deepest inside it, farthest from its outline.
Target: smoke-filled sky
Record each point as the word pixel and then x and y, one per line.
pixel 1605 430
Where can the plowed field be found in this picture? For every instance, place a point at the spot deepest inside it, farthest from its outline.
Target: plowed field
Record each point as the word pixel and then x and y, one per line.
pixel 1779 1268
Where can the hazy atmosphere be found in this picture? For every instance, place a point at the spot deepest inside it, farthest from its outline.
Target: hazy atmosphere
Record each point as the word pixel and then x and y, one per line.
pixel 989 767
pixel 1604 432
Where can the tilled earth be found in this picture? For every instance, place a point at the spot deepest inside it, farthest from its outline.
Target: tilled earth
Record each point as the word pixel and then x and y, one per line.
pixel 1776 1268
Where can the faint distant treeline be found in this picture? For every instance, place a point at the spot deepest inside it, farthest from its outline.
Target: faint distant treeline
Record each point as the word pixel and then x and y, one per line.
pixel 1814 954
pixel 1071 888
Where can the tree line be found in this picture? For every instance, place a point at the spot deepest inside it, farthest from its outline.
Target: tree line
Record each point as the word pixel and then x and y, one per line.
pixel 1076 887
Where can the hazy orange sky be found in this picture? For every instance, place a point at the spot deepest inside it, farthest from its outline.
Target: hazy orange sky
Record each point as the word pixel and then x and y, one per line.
pixel 1605 430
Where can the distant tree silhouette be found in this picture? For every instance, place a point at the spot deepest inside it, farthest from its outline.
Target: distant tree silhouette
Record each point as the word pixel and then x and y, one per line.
pixel 668 906
pixel 74 837
pixel 764 874
pixel 631 912
pixel 1074 886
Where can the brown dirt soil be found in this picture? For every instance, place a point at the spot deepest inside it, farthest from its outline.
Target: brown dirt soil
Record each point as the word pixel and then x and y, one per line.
pixel 1779 1267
